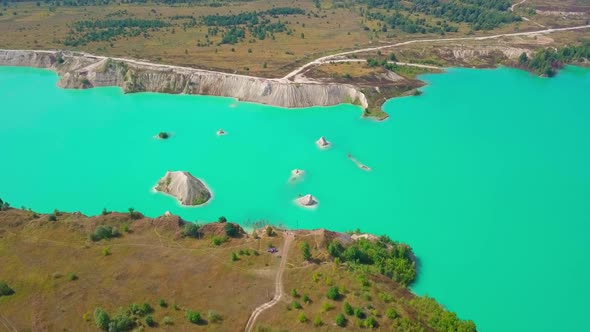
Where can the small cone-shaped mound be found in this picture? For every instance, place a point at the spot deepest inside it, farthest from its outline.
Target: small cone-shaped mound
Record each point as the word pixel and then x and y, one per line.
pixel 307 200
pixel 186 188
pixel 322 142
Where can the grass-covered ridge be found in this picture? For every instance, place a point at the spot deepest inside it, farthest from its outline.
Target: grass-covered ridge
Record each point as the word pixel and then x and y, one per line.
pixel 146 276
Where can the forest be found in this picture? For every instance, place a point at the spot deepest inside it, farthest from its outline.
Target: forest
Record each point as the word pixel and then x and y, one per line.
pixel 480 14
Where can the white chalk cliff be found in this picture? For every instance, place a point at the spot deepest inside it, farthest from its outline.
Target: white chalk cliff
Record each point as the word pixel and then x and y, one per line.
pixel 80 70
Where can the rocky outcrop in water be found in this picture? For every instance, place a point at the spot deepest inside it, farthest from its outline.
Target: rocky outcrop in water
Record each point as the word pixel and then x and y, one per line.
pixel 80 70
pixel 185 187
pixel 307 201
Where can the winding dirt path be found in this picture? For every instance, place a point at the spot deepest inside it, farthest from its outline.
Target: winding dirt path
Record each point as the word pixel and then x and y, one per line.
pixel 333 57
pixel 516 4
pixel 279 291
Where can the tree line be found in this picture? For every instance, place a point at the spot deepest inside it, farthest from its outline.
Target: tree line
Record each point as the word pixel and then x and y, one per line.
pixel 392 259
pixel 548 61
pixel 84 32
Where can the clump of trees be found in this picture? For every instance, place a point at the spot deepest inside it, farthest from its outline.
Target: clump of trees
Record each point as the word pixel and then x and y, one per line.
pixel 305 250
pixel 126 319
pixel 84 32
pixel 438 318
pixel 191 230
pixel 392 259
pixel 547 62
pixel 104 232
pixel 480 14
pixel 231 229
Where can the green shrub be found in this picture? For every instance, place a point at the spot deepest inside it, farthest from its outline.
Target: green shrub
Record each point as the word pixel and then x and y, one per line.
pixel 302 318
pixel 163 303
pixel 297 305
pixel 122 321
pixel 348 309
pixel 214 317
pixel 294 293
pixel 104 232
pixel 140 309
pixel 145 309
pixel 167 321
pixel 52 217
pixel 317 322
pixel 231 230
pixel 101 318
pixel 370 323
pixel 306 299
pixel 234 257
pixel 270 231
pixel 305 250
pixel 72 277
pixel 193 316
pixel 391 313
pixel 5 290
pixel 106 251
pixel 385 297
pixel 134 215
pixel 222 219
pixel 218 240
pixel 359 313
pixel 191 230
pixel 149 321
pixel 341 320
pixel 333 293
pixel 326 306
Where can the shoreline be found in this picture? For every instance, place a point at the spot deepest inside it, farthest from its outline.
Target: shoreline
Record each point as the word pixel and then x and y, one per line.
pixel 79 70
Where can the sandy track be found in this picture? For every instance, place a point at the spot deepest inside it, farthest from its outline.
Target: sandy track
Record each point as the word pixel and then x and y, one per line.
pixel 279 291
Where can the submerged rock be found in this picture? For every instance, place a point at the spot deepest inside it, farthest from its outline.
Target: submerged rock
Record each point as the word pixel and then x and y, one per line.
pixel 297 173
pixel 307 201
pixel 187 189
pixel 323 143
pixel 221 132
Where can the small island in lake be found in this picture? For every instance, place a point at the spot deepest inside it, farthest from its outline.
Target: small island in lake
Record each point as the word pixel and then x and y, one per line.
pixel 307 201
pixel 187 189
pixel 323 143
pixel 163 135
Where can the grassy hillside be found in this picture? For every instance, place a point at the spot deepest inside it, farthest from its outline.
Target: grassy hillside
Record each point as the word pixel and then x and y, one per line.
pixel 70 272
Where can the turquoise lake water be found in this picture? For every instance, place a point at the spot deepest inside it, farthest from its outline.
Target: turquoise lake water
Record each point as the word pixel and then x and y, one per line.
pixel 486 175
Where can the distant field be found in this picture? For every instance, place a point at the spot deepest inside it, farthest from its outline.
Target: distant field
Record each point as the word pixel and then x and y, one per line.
pixel 184 39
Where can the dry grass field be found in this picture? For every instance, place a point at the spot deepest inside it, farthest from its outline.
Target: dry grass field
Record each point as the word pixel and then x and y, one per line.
pixel 318 32
pixel 149 263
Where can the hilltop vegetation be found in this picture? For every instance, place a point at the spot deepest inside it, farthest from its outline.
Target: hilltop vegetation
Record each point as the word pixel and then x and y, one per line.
pixel 548 61
pixel 168 272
